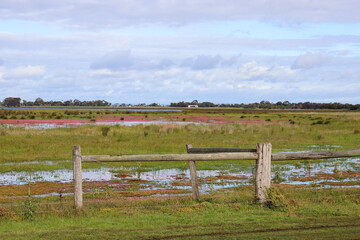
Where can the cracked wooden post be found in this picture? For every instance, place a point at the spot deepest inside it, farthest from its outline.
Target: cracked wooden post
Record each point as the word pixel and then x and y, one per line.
pixel 78 194
pixel 193 175
pixel 262 172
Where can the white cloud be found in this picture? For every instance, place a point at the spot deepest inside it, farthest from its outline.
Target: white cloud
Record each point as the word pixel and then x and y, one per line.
pixel 114 13
pixel 169 73
pixel 24 72
pixel 202 62
pixel 311 60
pixel 252 70
pixel 1 77
pixel 118 60
pixel 108 93
pixel 102 73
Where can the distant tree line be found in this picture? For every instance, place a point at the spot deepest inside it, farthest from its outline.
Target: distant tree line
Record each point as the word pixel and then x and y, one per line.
pixel 16 102
pixel 270 105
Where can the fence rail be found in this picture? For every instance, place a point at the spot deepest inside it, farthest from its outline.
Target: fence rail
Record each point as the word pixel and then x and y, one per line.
pixel 313 155
pixel 218 150
pixel 170 157
pixel 216 156
pixel 262 154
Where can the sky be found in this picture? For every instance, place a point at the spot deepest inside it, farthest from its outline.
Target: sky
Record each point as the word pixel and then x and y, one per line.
pixel 163 51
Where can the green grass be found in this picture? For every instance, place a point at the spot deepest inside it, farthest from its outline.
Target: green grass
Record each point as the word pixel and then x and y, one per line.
pixel 315 214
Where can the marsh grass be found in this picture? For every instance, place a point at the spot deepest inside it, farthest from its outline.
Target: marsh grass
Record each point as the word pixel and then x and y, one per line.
pixel 19 144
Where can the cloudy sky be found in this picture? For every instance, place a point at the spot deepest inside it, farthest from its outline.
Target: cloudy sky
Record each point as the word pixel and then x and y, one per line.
pixel 145 51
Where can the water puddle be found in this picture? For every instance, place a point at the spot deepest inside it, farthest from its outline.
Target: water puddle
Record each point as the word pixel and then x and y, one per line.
pixel 110 123
pixel 338 172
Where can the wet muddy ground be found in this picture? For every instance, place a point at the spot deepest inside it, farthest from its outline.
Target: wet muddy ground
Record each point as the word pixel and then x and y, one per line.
pixel 137 182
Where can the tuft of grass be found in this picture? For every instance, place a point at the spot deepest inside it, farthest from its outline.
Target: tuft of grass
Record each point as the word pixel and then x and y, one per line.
pixel 275 200
pixel 105 130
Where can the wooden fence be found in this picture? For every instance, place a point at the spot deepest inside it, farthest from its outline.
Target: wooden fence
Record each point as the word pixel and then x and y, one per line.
pixel 262 154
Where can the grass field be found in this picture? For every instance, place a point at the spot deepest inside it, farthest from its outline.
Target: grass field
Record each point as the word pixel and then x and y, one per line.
pixel 297 131
pixel 302 214
pixel 291 213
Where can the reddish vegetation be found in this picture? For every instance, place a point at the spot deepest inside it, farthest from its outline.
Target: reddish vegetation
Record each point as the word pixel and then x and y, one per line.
pixel 223 177
pixel 290 186
pixel 94 189
pixel 123 175
pixel 57 187
pixel 186 182
pixel 180 177
pixel 177 183
pixel 227 120
pixel 228 177
pixel 36 188
pixel 135 180
pixel 321 176
pixel 137 118
pixel 54 121
pixel 347 183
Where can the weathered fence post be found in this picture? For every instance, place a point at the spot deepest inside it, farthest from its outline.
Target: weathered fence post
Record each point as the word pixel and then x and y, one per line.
pixel 78 195
pixel 262 172
pixel 193 175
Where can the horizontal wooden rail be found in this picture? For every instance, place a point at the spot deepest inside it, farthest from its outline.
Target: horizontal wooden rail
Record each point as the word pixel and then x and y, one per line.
pixel 219 150
pixel 217 156
pixel 313 155
pixel 170 157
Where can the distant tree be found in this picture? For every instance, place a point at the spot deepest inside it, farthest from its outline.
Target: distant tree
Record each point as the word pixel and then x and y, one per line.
pixel 39 102
pixel 180 104
pixel 68 103
pixel 207 104
pixel 76 102
pixel 12 102
pixel 154 105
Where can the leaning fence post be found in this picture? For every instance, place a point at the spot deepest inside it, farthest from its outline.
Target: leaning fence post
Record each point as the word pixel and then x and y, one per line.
pixel 193 175
pixel 78 195
pixel 262 172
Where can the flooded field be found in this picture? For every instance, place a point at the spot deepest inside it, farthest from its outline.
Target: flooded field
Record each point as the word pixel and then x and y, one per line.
pixel 339 172
pixel 29 136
